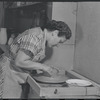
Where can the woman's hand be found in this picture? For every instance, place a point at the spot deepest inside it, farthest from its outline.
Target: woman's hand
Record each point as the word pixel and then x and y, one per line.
pixel 50 71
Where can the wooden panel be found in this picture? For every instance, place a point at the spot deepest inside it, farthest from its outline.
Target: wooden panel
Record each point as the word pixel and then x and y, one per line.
pixel 50 91
pixel 33 84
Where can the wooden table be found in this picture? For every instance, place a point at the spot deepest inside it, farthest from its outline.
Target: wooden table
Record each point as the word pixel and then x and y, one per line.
pixel 38 90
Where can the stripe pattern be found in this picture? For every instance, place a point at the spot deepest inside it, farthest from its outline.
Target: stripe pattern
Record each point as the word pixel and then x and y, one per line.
pixel 2 74
pixel 32 40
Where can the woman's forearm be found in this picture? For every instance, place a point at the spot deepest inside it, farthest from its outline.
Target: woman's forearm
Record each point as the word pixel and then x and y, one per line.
pixel 30 65
pixel 23 61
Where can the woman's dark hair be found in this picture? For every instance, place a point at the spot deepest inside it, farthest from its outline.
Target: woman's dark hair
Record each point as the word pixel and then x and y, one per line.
pixel 62 27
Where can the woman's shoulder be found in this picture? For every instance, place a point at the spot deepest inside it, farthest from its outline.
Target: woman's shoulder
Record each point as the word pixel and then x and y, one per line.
pixel 35 31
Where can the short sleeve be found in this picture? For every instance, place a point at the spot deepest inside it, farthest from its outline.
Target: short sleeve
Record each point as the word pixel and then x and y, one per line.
pixel 29 42
pixel 27 52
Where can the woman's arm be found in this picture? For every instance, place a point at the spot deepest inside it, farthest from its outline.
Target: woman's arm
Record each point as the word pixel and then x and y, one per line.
pixel 23 61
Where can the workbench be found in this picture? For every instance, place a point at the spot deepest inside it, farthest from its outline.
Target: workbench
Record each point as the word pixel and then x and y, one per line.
pixel 59 91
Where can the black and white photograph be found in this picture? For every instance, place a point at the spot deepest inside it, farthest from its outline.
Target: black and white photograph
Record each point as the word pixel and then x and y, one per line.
pixel 50 50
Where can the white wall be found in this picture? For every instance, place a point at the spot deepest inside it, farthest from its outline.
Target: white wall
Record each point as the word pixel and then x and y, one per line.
pixel 66 11
pixel 87 48
pixel 63 55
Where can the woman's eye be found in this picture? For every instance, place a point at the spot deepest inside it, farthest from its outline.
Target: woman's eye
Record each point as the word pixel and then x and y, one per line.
pixel 60 42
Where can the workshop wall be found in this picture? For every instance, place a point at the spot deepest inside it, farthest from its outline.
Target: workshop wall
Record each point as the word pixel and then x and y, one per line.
pixel 87 48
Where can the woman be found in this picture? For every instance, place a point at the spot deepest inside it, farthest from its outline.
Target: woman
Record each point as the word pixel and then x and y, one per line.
pixel 26 52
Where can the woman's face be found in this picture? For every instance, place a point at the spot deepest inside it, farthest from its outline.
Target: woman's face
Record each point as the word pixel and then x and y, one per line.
pixel 55 39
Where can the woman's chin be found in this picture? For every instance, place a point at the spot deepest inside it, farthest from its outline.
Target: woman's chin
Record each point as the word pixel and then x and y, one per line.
pixel 49 45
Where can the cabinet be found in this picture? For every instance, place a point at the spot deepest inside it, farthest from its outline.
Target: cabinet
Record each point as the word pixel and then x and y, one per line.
pixel 20 18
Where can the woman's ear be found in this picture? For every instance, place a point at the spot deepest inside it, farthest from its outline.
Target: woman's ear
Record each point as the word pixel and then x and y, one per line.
pixel 45 30
pixel 55 32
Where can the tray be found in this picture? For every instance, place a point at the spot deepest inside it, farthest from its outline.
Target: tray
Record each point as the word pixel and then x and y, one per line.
pixel 55 79
pixel 42 90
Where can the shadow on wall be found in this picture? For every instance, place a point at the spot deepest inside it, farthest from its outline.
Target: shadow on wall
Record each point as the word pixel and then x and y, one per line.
pixel 48 53
pixel 79 33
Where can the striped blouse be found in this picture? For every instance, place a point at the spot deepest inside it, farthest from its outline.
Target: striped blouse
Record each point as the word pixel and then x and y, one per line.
pixel 32 42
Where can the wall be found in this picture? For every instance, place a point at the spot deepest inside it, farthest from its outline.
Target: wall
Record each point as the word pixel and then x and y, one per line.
pixel 87 48
pixel 63 55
